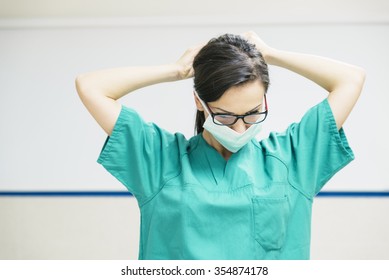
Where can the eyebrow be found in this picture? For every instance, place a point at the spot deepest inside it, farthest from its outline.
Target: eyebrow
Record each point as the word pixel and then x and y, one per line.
pixel 228 112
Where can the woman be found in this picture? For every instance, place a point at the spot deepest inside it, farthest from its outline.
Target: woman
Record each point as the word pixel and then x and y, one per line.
pixel 222 194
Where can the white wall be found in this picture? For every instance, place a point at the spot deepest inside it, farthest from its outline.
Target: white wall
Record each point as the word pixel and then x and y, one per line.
pixel 49 142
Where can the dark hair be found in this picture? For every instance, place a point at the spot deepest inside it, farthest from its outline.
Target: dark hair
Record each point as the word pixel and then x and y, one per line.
pixel 223 62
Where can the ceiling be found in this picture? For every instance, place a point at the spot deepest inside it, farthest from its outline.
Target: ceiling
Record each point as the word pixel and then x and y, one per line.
pixel 269 10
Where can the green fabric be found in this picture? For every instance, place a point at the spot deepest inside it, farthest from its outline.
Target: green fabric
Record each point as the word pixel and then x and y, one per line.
pixel 195 205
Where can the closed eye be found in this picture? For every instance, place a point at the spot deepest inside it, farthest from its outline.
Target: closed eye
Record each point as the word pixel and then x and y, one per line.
pixel 252 111
pixel 255 110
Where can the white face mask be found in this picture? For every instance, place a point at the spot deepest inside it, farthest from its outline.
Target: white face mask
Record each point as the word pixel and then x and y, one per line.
pixel 229 138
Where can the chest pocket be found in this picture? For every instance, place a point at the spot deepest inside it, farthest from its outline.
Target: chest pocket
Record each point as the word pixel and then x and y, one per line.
pixel 271 216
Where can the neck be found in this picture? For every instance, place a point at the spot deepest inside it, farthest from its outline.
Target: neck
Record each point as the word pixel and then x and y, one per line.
pixel 226 154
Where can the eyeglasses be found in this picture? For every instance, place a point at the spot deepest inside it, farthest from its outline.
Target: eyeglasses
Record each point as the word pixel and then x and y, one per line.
pixel 229 119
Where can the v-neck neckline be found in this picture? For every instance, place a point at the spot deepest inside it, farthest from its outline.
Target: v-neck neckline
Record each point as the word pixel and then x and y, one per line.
pixel 218 165
pixel 216 174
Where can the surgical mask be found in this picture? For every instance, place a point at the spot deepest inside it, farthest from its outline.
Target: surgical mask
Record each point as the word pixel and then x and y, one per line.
pixel 229 138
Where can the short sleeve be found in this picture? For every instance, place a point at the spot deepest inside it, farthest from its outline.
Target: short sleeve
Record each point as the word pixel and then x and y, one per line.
pixel 140 155
pixel 313 149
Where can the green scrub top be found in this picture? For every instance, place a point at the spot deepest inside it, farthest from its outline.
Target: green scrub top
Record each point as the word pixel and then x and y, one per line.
pixel 196 205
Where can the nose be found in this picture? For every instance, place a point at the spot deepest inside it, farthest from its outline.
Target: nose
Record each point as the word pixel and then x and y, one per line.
pixel 239 126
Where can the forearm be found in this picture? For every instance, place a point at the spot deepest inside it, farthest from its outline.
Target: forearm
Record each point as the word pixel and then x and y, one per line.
pixel 329 74
pixel 99 90
pixel 344 82
pixel 117 82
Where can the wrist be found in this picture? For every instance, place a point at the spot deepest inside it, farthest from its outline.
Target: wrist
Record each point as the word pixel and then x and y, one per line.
pixel 174 72
pixel 270 55
pixel 183 72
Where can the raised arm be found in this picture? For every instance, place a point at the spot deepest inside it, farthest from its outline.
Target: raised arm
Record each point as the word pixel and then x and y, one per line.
pixel 344 82
pixel 100 90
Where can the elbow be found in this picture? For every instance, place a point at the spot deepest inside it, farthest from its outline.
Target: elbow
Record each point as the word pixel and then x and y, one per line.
pixel 87 86
pixel 80 84
pixel 84 86
pixel 360 80
pixel 356 80
pixel 359 77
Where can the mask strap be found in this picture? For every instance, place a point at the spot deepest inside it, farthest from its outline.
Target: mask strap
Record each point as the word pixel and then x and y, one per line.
pixel 202 103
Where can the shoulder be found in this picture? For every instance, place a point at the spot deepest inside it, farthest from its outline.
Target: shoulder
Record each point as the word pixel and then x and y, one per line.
pixel 316 124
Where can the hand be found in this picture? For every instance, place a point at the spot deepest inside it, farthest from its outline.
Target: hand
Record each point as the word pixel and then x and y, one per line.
pixel 185 62
pixel 253 38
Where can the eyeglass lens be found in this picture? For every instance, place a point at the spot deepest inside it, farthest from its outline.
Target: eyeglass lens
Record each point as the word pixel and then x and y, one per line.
pixel 250 119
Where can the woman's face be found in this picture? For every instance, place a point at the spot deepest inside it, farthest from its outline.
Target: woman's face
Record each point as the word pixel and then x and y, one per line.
pixel 238 100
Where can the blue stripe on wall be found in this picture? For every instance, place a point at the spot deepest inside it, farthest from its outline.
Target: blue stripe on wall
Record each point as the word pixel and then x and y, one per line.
pixel 126 193
pixel 65 193
pixel 353 194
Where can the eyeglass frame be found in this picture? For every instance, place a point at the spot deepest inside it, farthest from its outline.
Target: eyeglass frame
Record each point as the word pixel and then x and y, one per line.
pixel 237 117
